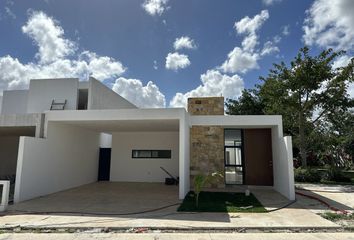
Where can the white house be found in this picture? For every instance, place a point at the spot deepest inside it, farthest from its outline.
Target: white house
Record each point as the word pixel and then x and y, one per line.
pixel 63 133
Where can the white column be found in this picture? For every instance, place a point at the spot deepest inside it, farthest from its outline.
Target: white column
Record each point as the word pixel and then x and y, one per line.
pixel 5 195
pixel 184 166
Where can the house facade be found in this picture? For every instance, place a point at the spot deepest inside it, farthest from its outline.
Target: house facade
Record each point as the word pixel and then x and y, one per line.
pixel 63 133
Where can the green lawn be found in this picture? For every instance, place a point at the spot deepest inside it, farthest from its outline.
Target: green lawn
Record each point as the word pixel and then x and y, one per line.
pixel 221 202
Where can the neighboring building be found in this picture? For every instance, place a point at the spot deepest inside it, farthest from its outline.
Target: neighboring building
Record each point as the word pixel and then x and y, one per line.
pixel 62 133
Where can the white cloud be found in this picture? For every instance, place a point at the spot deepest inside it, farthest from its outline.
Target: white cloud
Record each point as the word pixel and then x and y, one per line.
pixel 53 57
pixel 184 42
pixel 175 60
pixel 330 24
pixel 148 96
pixel 239 60
pixel 286 30
pixel 269 48
pixel 48 36
pixel 155 66
pixel 213 84
pixel 10 13
pixel 249 25
pixel 341 61
pixel 271 2
pixel 155 7
pixel 246 58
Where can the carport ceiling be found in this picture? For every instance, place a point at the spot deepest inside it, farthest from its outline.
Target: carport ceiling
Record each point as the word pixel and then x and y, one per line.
pixel 128 125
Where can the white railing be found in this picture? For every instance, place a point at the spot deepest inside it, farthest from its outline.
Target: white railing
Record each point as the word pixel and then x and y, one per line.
pixel 5 195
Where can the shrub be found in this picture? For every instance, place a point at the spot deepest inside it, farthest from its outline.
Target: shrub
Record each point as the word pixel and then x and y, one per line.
pixel 307 175
pixel 335 174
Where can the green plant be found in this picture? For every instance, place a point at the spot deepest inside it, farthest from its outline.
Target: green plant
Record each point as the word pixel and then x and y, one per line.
pixel 337 216
pixel 335 174
pixel 307 175
pixel 199 182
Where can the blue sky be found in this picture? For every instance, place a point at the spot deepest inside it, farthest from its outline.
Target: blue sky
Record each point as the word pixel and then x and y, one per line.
pixel 125 43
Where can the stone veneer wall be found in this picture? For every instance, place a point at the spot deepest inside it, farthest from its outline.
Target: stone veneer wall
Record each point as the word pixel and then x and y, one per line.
pixel 207 152
pixel 206 106
pixel 207 142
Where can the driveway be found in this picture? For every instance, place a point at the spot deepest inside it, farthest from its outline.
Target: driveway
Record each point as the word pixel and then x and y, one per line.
pixel 67 210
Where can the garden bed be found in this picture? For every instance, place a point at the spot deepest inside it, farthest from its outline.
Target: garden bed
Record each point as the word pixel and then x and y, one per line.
pixel 221 202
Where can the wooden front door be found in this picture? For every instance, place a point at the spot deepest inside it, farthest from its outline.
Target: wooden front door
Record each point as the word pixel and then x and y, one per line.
pixel 258 157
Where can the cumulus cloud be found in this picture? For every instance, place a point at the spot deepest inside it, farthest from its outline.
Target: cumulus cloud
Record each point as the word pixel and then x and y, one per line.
pixel 48 36
pixel 213 84
pixel 271 2
pixel 184 42
pixel 269 48
pixel 239 60
pixel 148 96
pixel 155 7
pixel 56 57
pixel 175 61
pixel 246 58
pixel 330 24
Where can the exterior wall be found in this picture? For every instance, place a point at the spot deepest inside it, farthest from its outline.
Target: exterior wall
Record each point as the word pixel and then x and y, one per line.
pixel 0 104
pixel 283 164
pixel 8 155
pixel 207 151
pixel 184 156
pixel 43 91
pixel 67 158
pixel 14 102
pixel 24 120
pixel 206 106
pixel 101 97
pixel 124 168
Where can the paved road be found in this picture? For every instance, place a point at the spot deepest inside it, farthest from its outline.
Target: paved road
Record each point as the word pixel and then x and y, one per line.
pixel 181 236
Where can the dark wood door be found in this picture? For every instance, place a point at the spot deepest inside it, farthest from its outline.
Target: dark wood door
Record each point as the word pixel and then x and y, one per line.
pixel 104 166
pixel 258 157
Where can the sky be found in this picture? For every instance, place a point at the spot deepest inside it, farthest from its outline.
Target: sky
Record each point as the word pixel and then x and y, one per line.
pixel 157 53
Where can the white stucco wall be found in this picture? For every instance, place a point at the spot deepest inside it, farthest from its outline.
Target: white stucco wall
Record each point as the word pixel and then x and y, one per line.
pixel 127 169
pixel 184 160
pixel 8 155
pixel 283 164
pixel 43 91
pixel 67 158
pixel 14 102
pixel 102 97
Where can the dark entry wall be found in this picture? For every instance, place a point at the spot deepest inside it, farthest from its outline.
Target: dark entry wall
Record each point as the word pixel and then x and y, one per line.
pixel 258 160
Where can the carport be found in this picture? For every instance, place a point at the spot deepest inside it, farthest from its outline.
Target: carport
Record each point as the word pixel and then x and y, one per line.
pixel 68 156
pixel 9 141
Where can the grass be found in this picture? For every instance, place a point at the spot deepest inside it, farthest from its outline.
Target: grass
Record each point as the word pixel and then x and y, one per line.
pixel 221 202
pixel 336 216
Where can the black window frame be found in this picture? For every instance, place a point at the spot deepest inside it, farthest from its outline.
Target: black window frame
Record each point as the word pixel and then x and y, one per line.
pixel 169 155
pixel 242 165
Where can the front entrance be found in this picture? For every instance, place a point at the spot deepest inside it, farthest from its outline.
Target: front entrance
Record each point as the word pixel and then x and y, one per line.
pixel 104 166
pixel 258 157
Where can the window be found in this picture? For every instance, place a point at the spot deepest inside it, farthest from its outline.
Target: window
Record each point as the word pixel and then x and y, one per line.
pixel 234 172
pixel 151 153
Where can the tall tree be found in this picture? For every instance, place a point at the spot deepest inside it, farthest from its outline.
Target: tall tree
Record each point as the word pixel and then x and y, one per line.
pixel 248 103
pixel 307 91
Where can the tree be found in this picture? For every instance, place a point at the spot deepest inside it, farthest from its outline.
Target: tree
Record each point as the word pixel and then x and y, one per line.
pixel 247 104
pixel 306 92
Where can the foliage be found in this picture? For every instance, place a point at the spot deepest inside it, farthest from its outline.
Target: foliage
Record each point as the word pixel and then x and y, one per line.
pixel 200 181
pixel 221 202
pixel 247 104
pixel 307 175
pixel 312 97
pixel 335 174
pixel 337 216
